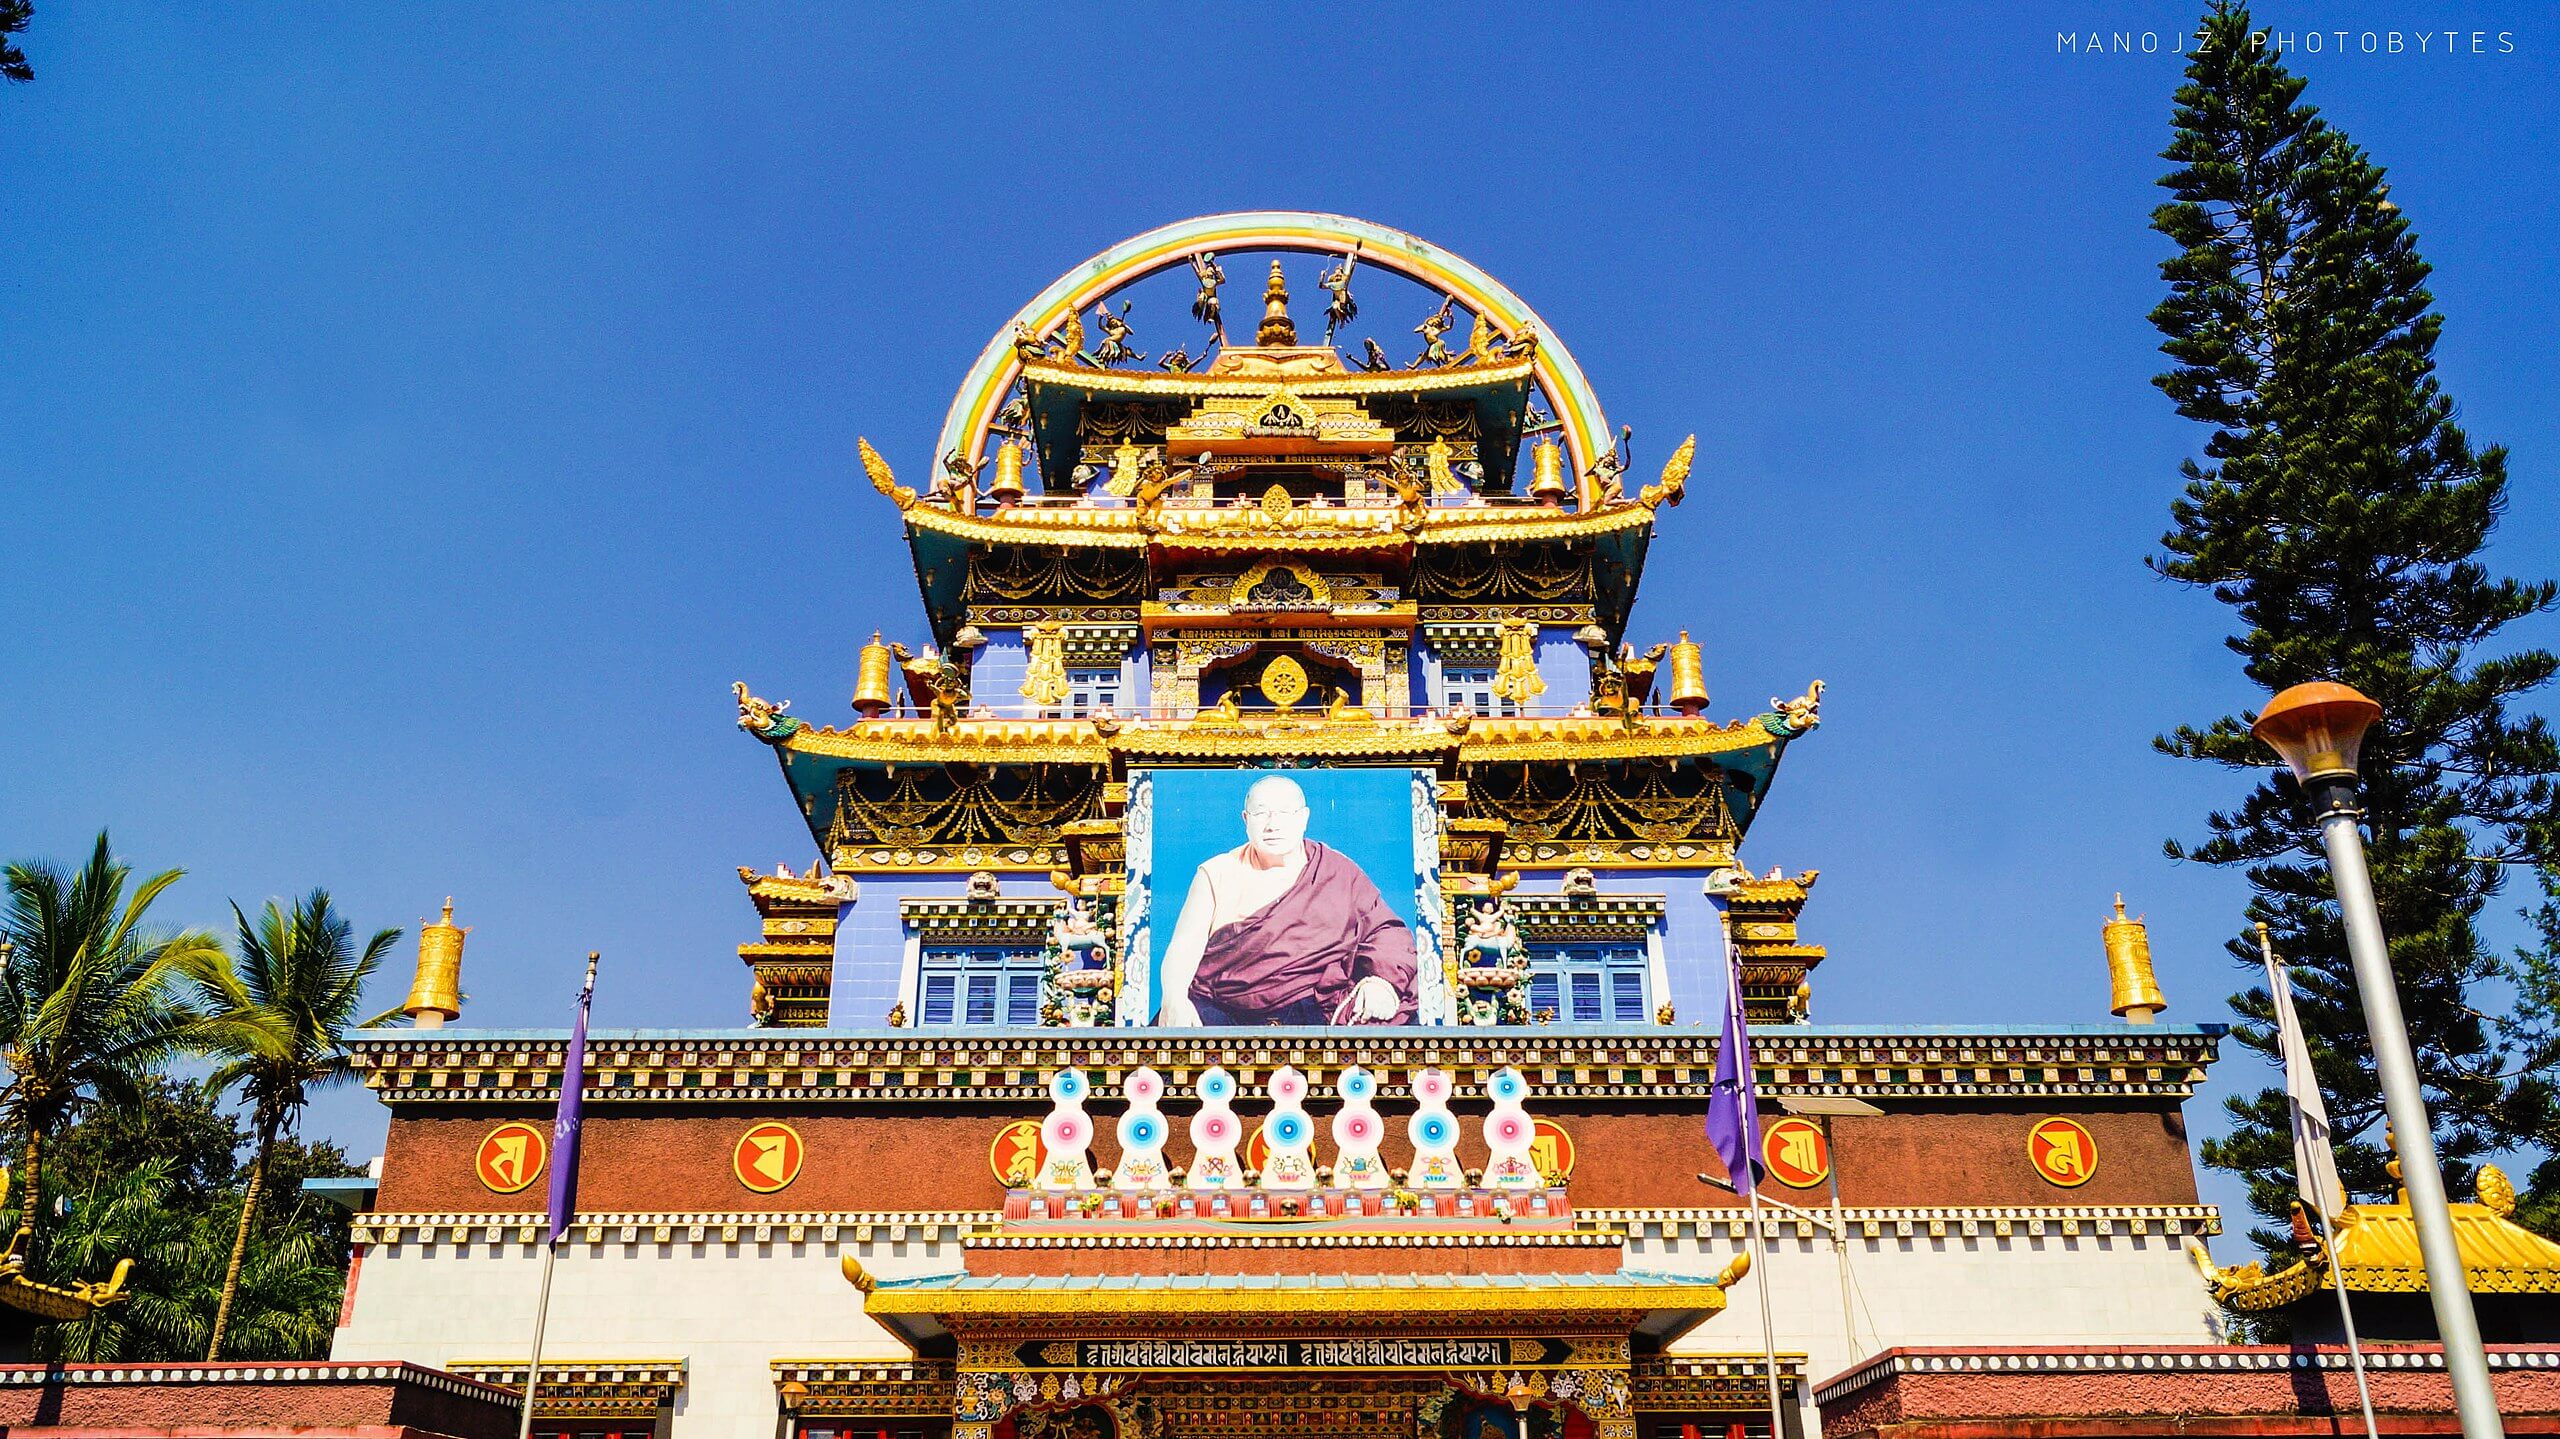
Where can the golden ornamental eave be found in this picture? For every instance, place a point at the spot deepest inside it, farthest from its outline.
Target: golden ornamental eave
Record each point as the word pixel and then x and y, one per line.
pixel 1062 741
pixel 1582 737
pixel 1332 528
pixel 1354 384
pixel 1592 1302
pixel 922 740
pixel 2376 1252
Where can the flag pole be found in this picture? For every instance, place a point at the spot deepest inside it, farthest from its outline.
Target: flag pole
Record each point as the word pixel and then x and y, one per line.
pixel 564 1183
pixel 1768 1326
pixel 1733 1125
pixel 533 1369
pixel 2289 1040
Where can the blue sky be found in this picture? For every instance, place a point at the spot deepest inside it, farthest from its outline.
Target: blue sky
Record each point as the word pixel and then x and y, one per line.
pixel 415 419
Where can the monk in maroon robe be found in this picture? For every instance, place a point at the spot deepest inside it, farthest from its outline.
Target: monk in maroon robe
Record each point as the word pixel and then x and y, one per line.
pixel 1282 930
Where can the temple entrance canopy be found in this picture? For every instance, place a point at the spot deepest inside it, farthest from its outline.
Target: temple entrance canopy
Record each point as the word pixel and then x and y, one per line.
pixel 1151 1303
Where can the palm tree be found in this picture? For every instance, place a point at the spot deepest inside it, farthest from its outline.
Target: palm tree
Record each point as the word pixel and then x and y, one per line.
pixel 279 1013
pixel 88 1006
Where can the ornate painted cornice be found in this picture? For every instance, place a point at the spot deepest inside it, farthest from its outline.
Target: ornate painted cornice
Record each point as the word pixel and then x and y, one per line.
pixel 679 1067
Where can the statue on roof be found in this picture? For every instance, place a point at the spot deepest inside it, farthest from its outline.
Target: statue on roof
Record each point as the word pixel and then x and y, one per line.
pixel 1028 346
pixel 959 473
pixel 1604 471
pixel 1788 719
pixel 1115 348
pixel 1204 305
pixel 1340 310
pixel 1176 361
pixel 1015 418
pixel 1434 330
pixel 765 720
pixel 1070 338
pixel 1372 358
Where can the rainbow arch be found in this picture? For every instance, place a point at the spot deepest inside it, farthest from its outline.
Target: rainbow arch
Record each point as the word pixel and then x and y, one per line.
pixel 1586 430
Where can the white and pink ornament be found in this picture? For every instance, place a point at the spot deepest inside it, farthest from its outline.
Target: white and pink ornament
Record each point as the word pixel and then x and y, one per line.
pixel 1289 1134
pixel 1215 1133
pixel 1066 1134
pixel 1357 1130
pixel 1142 1133
pixel 1509 1134
pixel 1434 1133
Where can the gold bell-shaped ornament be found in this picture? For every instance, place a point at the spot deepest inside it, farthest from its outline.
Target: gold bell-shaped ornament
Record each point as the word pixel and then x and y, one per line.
pixel 1688 677
pixel 1547 486
pixel 1007 490
pixel 437 995
pixel 872 695
pixel 2136 989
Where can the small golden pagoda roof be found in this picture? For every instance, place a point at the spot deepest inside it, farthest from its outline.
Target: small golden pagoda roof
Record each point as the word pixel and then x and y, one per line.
pixel 2377 1253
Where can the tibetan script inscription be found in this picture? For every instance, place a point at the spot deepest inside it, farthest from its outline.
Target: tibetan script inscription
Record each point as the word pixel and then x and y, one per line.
pixel 1296 1354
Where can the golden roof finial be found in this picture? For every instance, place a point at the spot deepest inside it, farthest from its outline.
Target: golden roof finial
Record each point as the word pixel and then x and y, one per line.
pixel 437 995
pixel 1277 328
pixel 2137 996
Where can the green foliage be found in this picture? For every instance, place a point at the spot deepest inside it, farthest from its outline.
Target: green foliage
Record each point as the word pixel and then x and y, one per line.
pixel 173 1121
pixel 277 1017
pixel 2340 512
pixel 14 15
pixel 89 1007
pixel 159 1182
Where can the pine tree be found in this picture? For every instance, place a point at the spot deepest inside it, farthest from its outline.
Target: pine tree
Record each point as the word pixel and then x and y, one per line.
pixel 2341 513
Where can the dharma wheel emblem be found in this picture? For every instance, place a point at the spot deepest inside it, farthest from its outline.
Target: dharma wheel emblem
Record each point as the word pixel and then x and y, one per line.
pixel 1795 1153
pixel 511 1157
pixel 1284 681
pixel 768 1157
pixel 2063 1152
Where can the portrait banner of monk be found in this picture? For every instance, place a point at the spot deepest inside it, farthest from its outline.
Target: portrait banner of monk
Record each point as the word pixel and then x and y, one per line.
pixel 1283 897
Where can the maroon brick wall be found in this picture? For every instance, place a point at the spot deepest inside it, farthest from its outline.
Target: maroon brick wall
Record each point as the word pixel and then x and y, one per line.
pixel 651 1158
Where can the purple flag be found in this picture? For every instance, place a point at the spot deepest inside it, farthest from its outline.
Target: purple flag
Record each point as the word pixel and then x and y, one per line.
pixel 564 1129
pixel 1733 1113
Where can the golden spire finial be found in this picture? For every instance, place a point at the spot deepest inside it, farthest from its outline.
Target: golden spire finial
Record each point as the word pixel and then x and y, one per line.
pixel 2136 990
pixel 1277 328
pixel 436 996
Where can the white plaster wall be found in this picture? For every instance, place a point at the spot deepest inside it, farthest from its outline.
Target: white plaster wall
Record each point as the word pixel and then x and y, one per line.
pixel 2051 1289
pixel 729 1310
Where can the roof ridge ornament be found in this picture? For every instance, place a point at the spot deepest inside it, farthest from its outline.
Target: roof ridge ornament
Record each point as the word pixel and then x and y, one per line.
pixel 1278 330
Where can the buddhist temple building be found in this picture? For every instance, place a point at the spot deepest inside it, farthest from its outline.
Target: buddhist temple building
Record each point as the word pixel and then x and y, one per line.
pixel 1262 966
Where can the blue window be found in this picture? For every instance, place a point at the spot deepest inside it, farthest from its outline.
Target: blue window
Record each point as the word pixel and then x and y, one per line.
pixel 1474 689
pixel 980 985
pixel 1090 689
pixel 1599 983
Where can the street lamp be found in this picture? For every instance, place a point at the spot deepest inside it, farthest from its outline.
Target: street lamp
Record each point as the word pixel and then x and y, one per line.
pixel 2319 730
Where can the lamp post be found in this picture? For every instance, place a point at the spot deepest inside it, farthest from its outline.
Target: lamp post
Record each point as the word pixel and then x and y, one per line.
pixel 2319 729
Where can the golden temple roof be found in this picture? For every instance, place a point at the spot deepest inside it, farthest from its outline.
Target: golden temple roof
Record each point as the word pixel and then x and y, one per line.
pixel 2377 1253
pixel 1311 380
pixel 1079 741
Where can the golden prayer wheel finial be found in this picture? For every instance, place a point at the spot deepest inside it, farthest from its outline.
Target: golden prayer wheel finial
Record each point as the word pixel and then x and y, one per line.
pixel 1277 327
pixel 2137 991
pixel 1548 488
pixel 872 694
pixel 1688 676
pixel 437 994
pixel 1007 490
